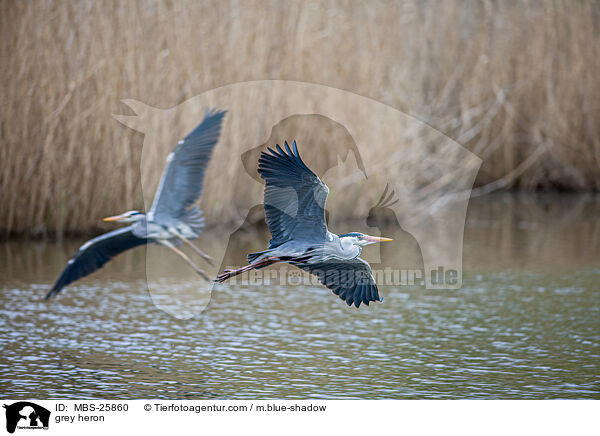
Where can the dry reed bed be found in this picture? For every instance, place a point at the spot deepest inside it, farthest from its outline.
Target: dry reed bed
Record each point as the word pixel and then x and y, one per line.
pixel 515 82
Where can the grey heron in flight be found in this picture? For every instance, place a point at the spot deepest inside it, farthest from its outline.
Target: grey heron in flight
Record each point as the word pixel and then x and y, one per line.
pixel 172 219
pixel 294 202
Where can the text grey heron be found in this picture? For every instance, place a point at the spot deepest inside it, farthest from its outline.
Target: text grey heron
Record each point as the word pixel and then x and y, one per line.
pixel 172 218
pixel 294 202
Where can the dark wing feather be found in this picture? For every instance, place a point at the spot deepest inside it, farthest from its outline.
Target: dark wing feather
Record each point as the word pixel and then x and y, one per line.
pixel 92 255
pixel 181 183
pixel 294 197
pixel 352 280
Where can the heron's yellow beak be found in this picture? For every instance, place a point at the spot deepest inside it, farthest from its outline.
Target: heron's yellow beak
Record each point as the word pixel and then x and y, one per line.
pixel 113 218
pixel 377 239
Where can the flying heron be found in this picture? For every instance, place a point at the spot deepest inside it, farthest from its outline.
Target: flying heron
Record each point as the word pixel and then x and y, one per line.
pixel 172 219
pixel 294 203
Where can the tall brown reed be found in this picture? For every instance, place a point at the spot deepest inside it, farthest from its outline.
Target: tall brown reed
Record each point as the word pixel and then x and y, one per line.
pixel 516 82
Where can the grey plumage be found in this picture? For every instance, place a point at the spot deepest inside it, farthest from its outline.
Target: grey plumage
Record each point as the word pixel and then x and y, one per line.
pixel 351 279
pixel 294 197
pixel 294 202
pixel 171 219
pixel 92 255
pixel 183 178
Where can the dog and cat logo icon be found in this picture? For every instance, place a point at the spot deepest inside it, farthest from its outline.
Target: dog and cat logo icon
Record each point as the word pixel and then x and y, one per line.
pixel 26 415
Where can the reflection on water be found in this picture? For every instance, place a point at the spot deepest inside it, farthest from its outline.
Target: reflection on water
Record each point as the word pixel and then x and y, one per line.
pixel 526 323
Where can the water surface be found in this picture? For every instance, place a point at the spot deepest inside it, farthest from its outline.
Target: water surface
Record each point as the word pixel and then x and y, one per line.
pixel 526 324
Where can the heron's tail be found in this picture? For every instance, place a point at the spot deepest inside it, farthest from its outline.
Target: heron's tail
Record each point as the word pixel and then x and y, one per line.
pixel 252 257
pixel 195 219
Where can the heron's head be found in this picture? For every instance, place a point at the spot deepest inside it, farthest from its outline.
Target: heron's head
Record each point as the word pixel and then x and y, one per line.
pixel 130 216
pixel 361 239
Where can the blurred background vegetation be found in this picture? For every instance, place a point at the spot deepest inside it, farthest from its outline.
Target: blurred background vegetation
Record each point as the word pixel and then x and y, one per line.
pixel 515 82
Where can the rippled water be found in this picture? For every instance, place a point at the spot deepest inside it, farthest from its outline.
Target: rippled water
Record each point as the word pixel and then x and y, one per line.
pixel 526 324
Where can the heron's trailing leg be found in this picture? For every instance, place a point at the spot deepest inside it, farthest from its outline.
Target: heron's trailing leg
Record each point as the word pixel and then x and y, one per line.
pixel 184 257
pixel 203 255
pixel 228 273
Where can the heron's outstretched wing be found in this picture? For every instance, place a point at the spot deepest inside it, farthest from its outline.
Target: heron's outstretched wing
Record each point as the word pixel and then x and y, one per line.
pixel 94 254
pixel 294 197
pixel 351 280
pixel 181 183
